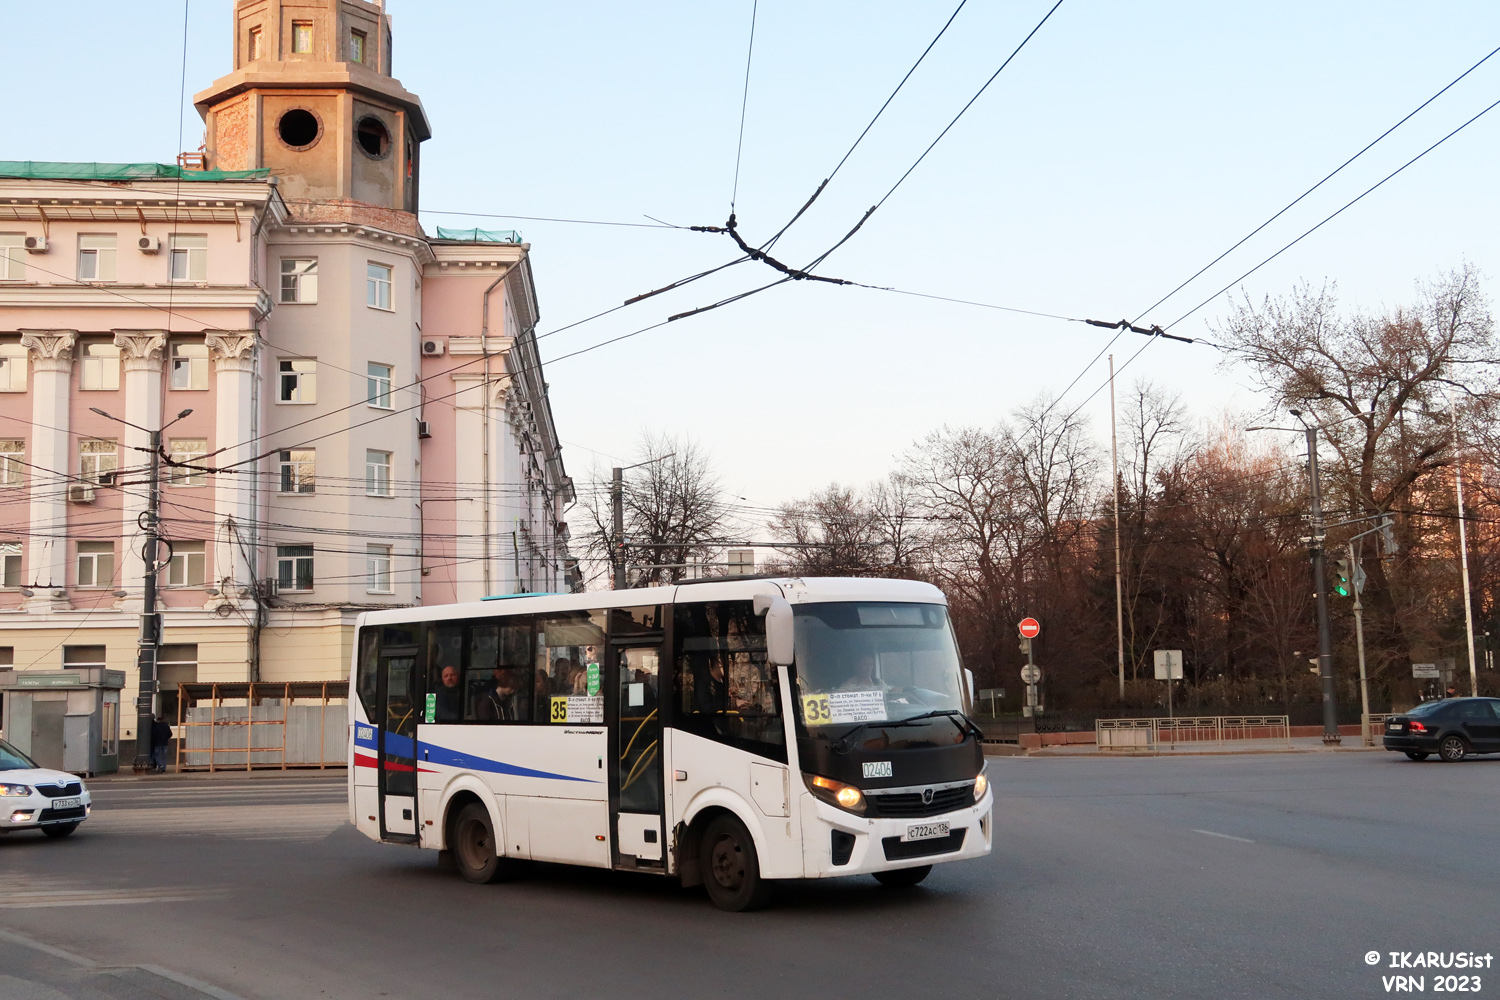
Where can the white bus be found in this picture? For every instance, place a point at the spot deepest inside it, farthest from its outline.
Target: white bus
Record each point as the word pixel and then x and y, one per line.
pixel 722 733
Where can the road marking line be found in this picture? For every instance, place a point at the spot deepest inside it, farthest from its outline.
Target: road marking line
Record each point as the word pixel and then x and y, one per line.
pixel 1226 836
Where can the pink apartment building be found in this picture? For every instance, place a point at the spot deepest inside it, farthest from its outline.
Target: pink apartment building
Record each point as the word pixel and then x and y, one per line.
pixel 369 423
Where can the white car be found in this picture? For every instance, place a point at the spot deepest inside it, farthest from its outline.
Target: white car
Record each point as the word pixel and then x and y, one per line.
pixel 39 798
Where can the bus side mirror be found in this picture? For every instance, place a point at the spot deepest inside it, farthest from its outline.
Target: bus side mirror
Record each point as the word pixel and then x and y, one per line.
pixel 778 614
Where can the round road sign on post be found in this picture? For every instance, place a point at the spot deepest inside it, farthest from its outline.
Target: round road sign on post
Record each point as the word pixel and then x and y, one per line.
pixel 1030 628
pixel 1031 673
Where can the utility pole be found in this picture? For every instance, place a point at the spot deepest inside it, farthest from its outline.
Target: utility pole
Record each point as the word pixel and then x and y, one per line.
pixel 1359 642
pixel 1463 549
pixel 149 642
pixel 617 506
pixel 1114 471
pixel 1320 585
pixel 617 537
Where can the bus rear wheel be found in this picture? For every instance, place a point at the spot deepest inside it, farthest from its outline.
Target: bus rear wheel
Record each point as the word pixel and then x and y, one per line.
pixel 473 844
pixel 731 868
pixel 898 878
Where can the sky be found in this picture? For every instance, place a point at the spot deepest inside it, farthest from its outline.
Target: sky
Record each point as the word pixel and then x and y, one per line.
pixel 1126 146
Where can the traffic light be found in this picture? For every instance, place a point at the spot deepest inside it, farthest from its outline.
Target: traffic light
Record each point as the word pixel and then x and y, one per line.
pixel 1388 544
pixel 1342 570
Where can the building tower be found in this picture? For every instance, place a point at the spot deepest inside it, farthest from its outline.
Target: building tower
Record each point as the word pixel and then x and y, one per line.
pixel 312 98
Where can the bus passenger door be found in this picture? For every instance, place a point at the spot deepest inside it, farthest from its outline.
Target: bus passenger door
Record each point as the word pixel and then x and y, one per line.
pixel 396 700
pixel 636 778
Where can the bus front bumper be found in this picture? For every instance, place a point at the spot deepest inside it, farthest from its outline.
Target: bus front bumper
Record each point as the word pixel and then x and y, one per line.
pixel 836 842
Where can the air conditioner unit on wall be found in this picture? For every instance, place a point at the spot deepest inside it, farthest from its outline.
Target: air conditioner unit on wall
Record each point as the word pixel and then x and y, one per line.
pixel 80 493
pixel 424 429
pixel 432 348
pixel 36 244
pixel 148 244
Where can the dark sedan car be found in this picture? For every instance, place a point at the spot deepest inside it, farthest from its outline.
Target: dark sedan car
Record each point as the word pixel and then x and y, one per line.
pixel 1452 728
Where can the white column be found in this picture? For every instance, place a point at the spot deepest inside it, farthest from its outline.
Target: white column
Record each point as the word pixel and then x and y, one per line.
pixel 234 492
pixel 51 356
pixel 141 356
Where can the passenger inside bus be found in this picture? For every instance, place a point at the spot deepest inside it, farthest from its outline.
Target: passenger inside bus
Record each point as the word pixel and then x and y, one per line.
pixel 503 701
pixel 450 697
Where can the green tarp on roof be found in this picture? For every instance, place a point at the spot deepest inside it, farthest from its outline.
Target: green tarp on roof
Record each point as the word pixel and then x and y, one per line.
pixel 479 235
pixel 51 170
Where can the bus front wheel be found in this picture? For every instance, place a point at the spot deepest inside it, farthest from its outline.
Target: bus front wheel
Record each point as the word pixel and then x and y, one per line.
pixel 731 868
pixel 473 844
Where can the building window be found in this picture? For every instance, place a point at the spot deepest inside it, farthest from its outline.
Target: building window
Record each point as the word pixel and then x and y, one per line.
pixel 96 564
pixel 96 257
pixel 10 564
pixel 190 451
pixel 189 366
pixel 299 381
pixel 12 368
pixel 378 569
pixel 256 43
pixel 357 46
pixel 377 473
pixel 297 471
pixel 12 462
pixel 741 562
pixel 302 37
pixel 187 565
pixel 83 656
pixel 377 286
pixel 294 567
pixel 299 280
pixel 189 257
pixel 12 256
pixel 378 385
pixel 100 367
pixel 97 458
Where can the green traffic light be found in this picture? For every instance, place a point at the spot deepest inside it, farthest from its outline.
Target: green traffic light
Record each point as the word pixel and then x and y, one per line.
pixel 1343 591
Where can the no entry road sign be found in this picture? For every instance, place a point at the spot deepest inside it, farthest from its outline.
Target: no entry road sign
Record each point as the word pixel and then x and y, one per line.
pixel 1030 628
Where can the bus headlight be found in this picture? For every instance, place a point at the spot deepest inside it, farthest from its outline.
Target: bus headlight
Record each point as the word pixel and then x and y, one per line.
pixel 981 785
pixel 836 793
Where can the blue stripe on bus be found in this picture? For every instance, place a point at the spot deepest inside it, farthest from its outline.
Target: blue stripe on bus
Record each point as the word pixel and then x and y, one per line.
pixel 397 745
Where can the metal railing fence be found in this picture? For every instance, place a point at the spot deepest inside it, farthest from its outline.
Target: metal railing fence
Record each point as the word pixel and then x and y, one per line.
pixel 1124 734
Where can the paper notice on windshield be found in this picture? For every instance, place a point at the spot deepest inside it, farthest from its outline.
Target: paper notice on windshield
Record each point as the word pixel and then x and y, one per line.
pixel 577 708
pixel 856 706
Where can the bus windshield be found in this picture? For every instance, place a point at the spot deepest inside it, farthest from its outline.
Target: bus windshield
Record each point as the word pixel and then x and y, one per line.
pixel 870 662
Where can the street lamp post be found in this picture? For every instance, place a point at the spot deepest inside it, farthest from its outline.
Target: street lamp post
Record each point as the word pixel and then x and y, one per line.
pixel 617 509
pixel 149 643
pixel 1320 579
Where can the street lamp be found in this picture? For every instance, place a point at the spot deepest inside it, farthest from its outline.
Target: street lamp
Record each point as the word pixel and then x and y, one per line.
pixel 1320 583
pixel 150 637
pixel 617 504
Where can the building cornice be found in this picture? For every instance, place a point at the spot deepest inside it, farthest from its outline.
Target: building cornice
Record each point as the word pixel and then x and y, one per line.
pixel 316 235
pixel 176 298
pixel 266 75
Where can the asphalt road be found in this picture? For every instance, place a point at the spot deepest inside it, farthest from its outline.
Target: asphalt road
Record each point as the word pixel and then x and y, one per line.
pixel 1244 876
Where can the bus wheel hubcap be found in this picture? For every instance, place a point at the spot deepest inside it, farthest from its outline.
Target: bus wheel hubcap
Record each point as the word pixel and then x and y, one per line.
pixel 729 865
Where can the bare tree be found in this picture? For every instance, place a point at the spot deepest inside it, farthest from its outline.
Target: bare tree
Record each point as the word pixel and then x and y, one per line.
pixel 674 513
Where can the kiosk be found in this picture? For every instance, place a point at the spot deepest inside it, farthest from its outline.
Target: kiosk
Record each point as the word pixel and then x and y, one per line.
pixel 68 720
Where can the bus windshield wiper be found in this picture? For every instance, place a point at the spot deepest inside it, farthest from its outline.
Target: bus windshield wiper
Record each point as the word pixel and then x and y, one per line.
pixel 959 718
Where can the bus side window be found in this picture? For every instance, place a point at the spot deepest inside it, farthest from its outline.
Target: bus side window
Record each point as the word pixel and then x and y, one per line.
pixel 498 685
pixel 445 663
pixel 365 676
pixel 725 689
pixel 567 642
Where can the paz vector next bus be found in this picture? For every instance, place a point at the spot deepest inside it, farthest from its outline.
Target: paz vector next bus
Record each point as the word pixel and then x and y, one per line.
pixel 723 733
